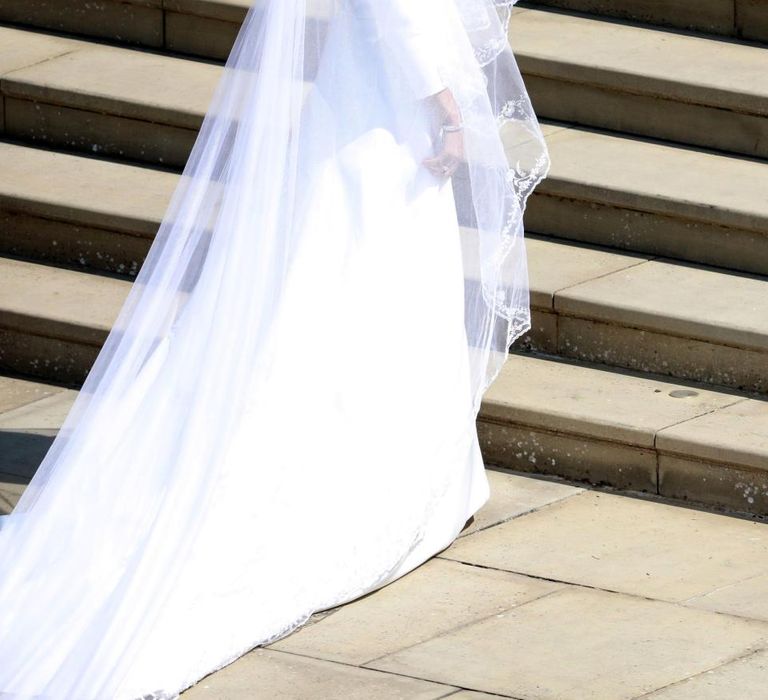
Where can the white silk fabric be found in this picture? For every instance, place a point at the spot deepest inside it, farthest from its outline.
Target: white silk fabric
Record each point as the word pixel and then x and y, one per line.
pixel 282 417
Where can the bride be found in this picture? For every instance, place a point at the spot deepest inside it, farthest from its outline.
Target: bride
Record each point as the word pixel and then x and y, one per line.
pixel 282 418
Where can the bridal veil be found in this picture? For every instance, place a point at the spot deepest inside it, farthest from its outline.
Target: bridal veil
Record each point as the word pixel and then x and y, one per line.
pixel 137 453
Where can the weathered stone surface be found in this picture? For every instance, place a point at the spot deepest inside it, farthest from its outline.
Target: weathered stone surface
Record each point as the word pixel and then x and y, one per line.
pixel 553 268
pixel 58 242
pixel 591 221
pixel 718 458
pixel 438 596
pixel 131 21
pixel 695 302
pixel 752 19
pixel 697 323
pixel 20 391
pixel 681 67
pixel 83 191
pixel 649 115
pixel 290 677
pixel 580 458
pixel 631 545
pixel 200 36
pixel 26 434
pixel 714 483
pixel 622 171
pixel 130 84
pixel 744 676
pixel 579 644
pixel 736 434
pixel 654 198
pixel 744 598
pixel 711 16
pixel 224 10
pixel 11 488
pixel 93 132
pixel 513 495
pixel 22 48
pixel 58 303
pixel 620 344
pixel 563 397
pixel 66 361
pixel 542 337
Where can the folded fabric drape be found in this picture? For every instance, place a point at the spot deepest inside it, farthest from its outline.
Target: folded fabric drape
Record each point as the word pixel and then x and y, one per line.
pixel 118 577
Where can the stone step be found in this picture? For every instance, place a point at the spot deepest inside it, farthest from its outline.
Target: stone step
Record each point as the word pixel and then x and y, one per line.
pixel 147 106
pixel 744 19
pixel 79 211
pixel 102 100
pixel 198 27
pixel 637 433
pixel 589 303
pixel 690 89
pixel 649 314
pixel 655 198
pixel 53 321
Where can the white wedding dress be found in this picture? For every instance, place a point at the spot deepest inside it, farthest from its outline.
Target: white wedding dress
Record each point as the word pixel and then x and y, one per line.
pixel 170 539
pixel 354 403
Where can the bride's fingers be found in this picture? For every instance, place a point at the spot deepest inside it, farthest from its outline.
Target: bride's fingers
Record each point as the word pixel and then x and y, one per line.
pixel 442 165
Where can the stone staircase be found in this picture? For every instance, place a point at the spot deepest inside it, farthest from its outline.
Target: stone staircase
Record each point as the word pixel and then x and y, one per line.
pixel 647 366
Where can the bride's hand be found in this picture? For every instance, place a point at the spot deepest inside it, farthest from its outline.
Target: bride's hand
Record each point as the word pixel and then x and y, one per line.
pixel 446 162
pixel 451 153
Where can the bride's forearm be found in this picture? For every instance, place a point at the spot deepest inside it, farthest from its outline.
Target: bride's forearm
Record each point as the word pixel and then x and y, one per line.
pixel 448 107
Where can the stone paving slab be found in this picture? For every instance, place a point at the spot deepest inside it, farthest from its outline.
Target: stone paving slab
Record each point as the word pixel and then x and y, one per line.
pixel 444 597
pixel 737 431
pixel 633 546
pixel 593 424
pixel 22 48
pixel 22 391
pixel 11 488
pixel 655 198
pixel 592 401
pixel 132 21
pixel 692 69
pixel 745 676
pixel 579 643
pixel 739 18
pixel 736 314
pixel 513 495
pixel 84 192
pixel 554 268
pixel 57 302
pixel 745 598
pixel 625 171
pixel 26 434
pixel 178 92
pixel 273 674
pixel 666 317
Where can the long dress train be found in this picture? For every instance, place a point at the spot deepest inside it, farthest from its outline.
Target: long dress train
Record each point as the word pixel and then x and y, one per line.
pixel 349 409
pixel 327 290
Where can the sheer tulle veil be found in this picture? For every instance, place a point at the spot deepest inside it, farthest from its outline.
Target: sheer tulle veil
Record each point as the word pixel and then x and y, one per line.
pixel 138 448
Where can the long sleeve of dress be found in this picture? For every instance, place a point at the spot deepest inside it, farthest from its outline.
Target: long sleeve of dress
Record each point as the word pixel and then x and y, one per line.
pixel 409 33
